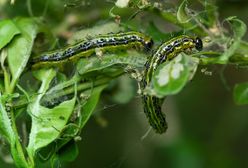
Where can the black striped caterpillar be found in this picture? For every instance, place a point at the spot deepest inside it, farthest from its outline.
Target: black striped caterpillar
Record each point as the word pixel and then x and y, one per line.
pixel 109 42
pixel 165 52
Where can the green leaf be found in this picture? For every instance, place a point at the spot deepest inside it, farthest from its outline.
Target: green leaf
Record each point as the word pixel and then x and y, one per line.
pixel 131 58
pixel 10 135
pixel 239 29
pixel 69 152
pixel 240 93
pixel 5 122
pixel 172 76
pixel 8 30
pixel 93 31
pixel 182 15
pixel 20 48
pixel 45 76
pixel 211 13
pixel 90 105
pixel 122 3
pixel 71 130
pixel 47 121
pixel 67 87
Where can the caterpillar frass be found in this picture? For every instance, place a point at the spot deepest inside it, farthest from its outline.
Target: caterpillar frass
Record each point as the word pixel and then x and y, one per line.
pixel 109 42
pixel 165 52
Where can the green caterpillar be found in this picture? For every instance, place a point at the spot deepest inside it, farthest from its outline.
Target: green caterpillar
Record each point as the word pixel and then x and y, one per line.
pixel 109 42
pixel 165 52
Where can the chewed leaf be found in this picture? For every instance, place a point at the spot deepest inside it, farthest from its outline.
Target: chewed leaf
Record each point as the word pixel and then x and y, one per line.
pixel 46 121
pixel 122 3
pixel 171 77
pixel 182 15
pixel 131 58
pixel 239 29
pixel 240 93
pixel 7 31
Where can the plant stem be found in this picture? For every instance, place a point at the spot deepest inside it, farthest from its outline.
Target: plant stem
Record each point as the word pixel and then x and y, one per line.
pixel 82 86
pixel 70 89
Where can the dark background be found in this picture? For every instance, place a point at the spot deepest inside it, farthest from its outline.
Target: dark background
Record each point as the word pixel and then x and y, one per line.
pixel 206 128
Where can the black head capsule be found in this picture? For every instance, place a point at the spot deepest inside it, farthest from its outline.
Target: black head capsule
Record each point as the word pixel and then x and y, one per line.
pixel 148 44
pixel 198 43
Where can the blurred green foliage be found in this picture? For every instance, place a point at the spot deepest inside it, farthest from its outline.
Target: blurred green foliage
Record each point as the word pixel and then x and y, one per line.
pixel 44 112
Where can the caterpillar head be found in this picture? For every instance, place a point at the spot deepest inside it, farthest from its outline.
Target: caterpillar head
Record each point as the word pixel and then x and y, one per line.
pixel 198 43
pixel 148 44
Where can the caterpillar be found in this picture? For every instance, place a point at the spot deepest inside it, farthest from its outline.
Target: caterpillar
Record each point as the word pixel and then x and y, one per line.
pixel 109 42
pixel 165 52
